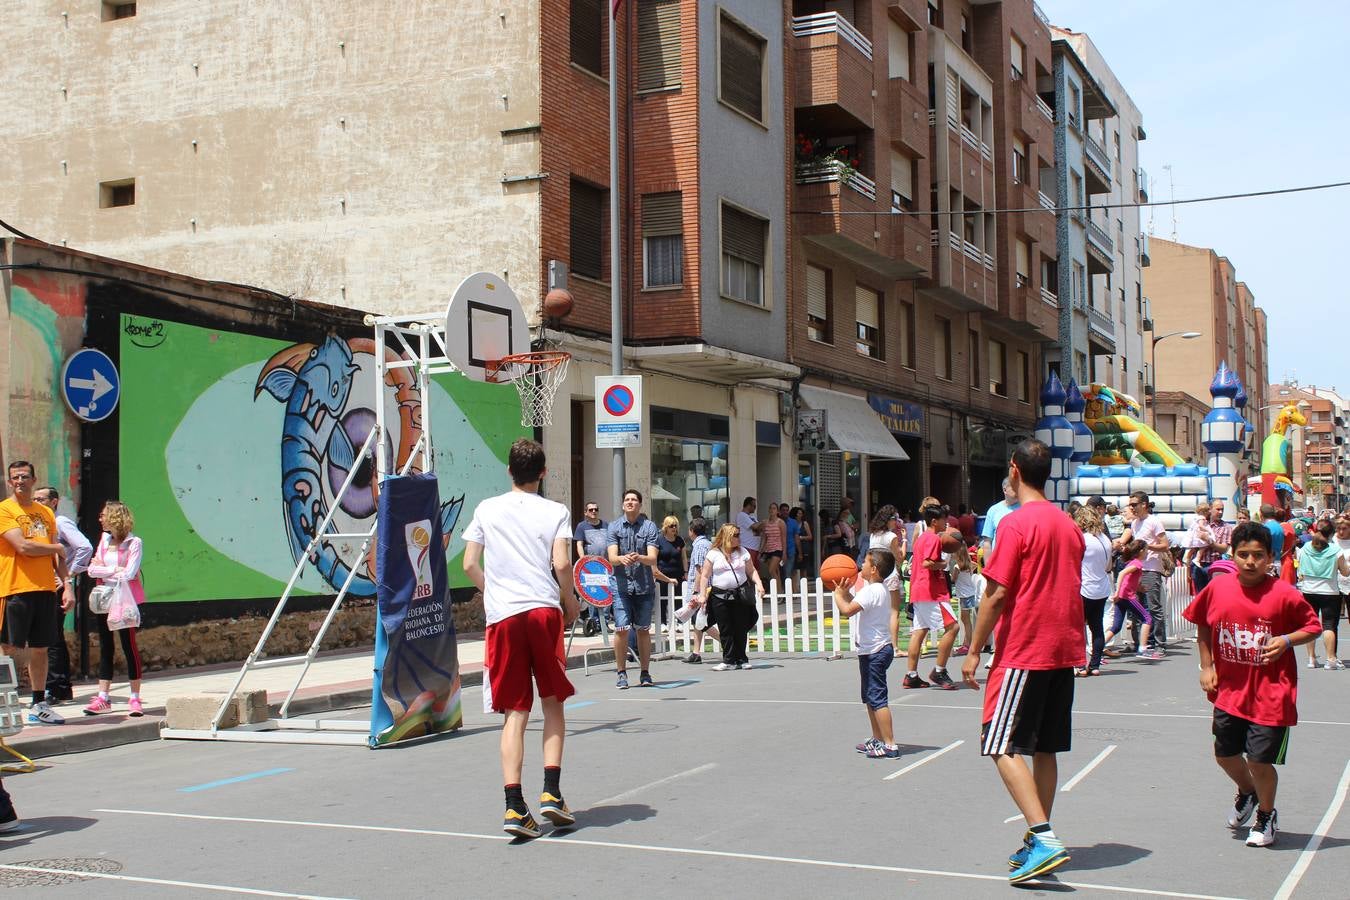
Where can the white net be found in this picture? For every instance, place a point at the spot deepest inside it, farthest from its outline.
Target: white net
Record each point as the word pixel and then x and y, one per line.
pixel 536 377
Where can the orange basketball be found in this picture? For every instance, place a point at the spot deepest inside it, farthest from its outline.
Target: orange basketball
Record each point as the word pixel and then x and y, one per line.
pixel 836 568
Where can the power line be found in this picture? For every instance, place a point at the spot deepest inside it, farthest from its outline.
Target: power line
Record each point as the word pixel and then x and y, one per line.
pixel 1088 208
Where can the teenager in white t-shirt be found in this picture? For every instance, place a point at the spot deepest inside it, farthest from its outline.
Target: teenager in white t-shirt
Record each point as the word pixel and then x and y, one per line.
pixel 516 551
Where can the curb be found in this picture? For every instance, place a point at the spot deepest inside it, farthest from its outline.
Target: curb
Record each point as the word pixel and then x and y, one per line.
pixel 51 742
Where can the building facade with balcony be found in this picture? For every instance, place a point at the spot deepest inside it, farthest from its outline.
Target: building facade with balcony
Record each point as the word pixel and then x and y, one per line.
pixel 1320 455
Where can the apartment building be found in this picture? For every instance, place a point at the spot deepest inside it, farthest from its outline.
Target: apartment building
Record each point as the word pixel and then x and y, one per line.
pixel 1319 453
pixel 1115 300
pixel 1194 290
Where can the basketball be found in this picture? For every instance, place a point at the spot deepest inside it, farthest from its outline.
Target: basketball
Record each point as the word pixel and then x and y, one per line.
pixel 557 303
pixel 837 568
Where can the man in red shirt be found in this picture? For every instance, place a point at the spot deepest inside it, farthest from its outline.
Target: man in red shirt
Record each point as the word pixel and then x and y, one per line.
pixel 1246 630
pixel 931 597
pixel 1032 597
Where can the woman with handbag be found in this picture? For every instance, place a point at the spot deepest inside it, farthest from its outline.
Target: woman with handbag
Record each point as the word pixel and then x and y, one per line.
pixel 115 603
pixel 732 586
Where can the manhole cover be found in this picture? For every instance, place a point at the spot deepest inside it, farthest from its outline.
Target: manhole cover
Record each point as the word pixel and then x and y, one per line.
pixel 1114 734
pixel 48 872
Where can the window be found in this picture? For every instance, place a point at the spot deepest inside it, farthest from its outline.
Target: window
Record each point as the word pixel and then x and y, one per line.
pixel 118 10
pixel 899 50
pixel 741 69
pixel 1023 262
pixel 1019 172
pixel 1077 286
pixel 902 181
pixel 868 314
pixel 658 44
pixel 935 12
pixel 117 193
pixel 1080 366
pixel 1076 193
pixel 998 368
pixel 818 303
pixel 967 42
pixel 587 230
pixel 1019 55
pixel 907 335
pixel 1050 276
pixel 942 348
pixel 743 238
pixel 974 359
pixel 688 462
pixel 1075 102
pixel 1024 376
pixel 662 240
pixel 1167 426
pixel 1117 137
pixel 588 35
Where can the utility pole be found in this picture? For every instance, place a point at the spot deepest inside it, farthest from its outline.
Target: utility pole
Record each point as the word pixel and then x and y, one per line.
pixel 615 255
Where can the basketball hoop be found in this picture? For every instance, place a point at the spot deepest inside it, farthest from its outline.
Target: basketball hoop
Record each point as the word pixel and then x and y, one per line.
pixel 536 377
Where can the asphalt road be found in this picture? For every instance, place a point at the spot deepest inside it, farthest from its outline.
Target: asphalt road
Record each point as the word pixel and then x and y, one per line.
pixel 717 784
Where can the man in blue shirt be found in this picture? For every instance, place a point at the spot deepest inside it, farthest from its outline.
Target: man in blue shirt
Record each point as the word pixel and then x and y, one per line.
pixel 992 517
pixel 632 552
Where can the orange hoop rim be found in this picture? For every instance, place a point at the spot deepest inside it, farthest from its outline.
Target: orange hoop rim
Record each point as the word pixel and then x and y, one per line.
pixel 536 362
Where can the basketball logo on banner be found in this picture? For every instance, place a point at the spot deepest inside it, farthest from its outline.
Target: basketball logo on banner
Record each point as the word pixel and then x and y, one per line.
pixel 593 578
pixel 418 535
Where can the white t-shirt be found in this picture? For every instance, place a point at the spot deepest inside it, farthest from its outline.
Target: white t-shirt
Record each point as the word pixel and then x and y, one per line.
pixel 887 540
pixel 873 625
pixel 1342 580
pixel 517 531
pixel 963 584
pixel 729 574
pixel 1147 530
pixel 1096 563
pixel 749 540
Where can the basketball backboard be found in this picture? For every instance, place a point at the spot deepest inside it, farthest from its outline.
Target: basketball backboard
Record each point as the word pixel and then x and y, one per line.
pixel 485 322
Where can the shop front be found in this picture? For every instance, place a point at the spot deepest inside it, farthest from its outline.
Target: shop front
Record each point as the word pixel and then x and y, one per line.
pixel 898 481
pixel 691 463
pixel 991 447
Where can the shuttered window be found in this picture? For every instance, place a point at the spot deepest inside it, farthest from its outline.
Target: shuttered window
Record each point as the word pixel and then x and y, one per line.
pixel 902 181
pixel 743 237
pixel 899 50
pixel 658 44
pixel 1024 375
pixel 818 304
pixel 998 368
pixel 1023 263
pixel 907 336
pixel 975 360
pixel 588 34
pixel 741 75
pixel 942 348
pixel 587 230
pixel 867 304
pixel 1018 58
pixel 662 240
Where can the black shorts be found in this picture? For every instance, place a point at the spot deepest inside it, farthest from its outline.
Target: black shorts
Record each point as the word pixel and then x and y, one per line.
pixel 31 620
pixel 1328 606
pixel 1234 736
pixel 1027 711
pixel 771 554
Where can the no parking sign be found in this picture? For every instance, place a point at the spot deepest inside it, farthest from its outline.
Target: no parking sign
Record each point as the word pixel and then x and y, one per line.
pixel 592 576
pixel 618 411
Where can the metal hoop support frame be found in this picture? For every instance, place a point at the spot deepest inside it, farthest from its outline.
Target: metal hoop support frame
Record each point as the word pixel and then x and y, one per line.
pixel 536 377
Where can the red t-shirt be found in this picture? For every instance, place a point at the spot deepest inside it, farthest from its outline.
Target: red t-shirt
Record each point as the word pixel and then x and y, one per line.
pixel 1241 620
pixel 1039 560
pixel 927 584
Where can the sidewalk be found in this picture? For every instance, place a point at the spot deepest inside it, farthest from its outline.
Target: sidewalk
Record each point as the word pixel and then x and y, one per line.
pixel 336 680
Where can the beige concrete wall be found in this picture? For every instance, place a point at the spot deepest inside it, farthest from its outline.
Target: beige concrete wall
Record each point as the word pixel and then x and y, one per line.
pixel 346 152
pixel 1180 282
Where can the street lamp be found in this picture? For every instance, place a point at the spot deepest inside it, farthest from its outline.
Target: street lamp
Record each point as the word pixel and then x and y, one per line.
pixel 1185 336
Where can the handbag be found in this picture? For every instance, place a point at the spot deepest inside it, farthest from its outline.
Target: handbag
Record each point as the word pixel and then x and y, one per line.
pixel 123 612
pixel 1169 564
pixel 101 598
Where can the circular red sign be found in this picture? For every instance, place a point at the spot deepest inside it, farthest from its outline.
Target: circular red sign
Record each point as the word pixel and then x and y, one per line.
pixel 618 400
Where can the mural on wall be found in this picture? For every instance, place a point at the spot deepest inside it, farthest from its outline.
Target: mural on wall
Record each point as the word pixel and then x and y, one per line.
pixel 233 448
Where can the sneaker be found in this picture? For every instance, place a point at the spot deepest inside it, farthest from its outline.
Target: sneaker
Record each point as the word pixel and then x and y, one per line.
pixel 134 708
pixel 1043 855
pixel 912 680
pixel 622 681
pixel 9 819
pixel 96 706
pixel 1155 653
pixel 42 714
pixel 962 650
pixel 745 665
pixel 1335 664
pixel 723 667
pixel 1017 859
pixel 1263 830
pixel 1312 662
pixel 521 825
pixel 693 658
pixel 645 680
pixel 882 751
pixel 941 679
pixel 1243 807
pixel 555 810
pixel 867 745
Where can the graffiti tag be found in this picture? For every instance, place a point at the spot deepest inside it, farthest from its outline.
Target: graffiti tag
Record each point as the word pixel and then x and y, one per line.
pixel 146 335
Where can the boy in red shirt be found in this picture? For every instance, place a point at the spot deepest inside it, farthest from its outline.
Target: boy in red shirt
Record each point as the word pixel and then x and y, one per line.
pixel 1032 595
pixel 931 597
pixel 1247 628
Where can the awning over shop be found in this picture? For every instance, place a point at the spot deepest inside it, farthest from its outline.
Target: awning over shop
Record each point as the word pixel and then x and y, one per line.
pixel 853 425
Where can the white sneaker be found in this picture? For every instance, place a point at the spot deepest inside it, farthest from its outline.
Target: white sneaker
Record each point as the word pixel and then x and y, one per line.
pixel 42 714
pixel 1335 664
pixel 723 667
pixel 1312 662
pixel 1263 830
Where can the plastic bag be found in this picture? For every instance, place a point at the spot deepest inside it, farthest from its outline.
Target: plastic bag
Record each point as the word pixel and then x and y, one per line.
pixel 123 612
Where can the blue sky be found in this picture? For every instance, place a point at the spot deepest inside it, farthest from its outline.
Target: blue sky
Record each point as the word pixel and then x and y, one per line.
pixel 1241 96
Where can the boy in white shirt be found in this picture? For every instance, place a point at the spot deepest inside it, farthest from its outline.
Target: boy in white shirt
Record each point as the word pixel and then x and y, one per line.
pixel 878 611
pixel 527 601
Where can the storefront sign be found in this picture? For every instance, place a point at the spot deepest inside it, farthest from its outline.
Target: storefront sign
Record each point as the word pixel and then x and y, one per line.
pixel 618 411
pixel 900 416
pixel 991 445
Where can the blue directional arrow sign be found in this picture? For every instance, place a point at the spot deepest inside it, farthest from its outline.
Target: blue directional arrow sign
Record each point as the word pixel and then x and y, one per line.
pixel 90 384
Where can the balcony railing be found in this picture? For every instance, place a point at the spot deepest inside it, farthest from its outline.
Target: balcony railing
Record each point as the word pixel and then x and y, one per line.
pixel 1101 322
pixel 832 171
pixel 1045 201
pixel 1142 177
pixel 1049 296
pixel 1040 15
pixel 1143 250
pixel 1097 154
pixel 1045 110
pixel 832 23
pixel 1100 236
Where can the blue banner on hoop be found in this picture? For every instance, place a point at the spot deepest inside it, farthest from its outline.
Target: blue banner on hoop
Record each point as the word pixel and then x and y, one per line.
pixel 416 690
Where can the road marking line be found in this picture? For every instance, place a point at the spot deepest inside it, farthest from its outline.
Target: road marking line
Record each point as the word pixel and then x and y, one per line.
pixel 167 882
pixel 929 758
pixel 1315 839
pixel 1096 761
pixel 1012 818
pixel 579 704
pixel 235 780
pixel 651 848
pixel 697 770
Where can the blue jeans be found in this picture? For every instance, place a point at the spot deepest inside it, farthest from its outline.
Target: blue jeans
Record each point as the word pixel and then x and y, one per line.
pixel 872 672
pixel 634 610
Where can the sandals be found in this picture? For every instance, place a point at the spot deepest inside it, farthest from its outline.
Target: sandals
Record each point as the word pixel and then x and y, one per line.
pixel 1094 672
pixel 1080 673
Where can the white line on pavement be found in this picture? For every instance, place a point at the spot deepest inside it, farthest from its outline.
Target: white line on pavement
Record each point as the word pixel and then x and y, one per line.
pixel 652 848
pixel 929 758
pixel 697 770
pixel 1012 818
pixel 1096 761
pixel 167 882
pixel 1315 839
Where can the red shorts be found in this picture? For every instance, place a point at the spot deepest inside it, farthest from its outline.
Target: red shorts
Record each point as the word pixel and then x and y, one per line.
pixel 528 643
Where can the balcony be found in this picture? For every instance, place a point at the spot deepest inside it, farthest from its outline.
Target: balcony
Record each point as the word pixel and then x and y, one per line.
pixel 1098 166
pixel 834 74
pixel 1041 16
pixel 835 193
pixel 1045 110
pixel 1045 201
pixel 1101 329
pixel 909 116
pixel 1100 249
pixel 1144 261
pixel 962 274
pixel 1142 177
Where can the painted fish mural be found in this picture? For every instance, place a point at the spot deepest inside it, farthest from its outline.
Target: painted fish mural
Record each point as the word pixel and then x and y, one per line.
pixel 322 433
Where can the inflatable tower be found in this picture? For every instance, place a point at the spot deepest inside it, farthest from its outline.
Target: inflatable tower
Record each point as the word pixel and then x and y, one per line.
pixel 1055 431
pixel 1083 439
pixel 1224 435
